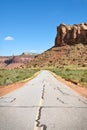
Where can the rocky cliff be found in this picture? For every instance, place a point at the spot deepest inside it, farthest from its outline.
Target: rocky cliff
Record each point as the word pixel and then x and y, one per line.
pixel 71 34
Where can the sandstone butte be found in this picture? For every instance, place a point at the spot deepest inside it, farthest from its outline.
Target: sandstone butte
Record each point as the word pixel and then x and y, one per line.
pixel 71 34
pixel 70 48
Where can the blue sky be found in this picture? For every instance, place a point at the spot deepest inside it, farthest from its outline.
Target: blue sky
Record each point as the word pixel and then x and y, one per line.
pixel 30 25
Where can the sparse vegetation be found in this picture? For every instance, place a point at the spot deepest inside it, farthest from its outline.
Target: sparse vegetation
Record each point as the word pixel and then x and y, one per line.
pixel 15 75
pixel 74 75
pixel 61 56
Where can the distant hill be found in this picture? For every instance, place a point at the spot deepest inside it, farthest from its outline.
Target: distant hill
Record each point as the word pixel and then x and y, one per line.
pixel 9 62
pixel 70 48
pixel 69 55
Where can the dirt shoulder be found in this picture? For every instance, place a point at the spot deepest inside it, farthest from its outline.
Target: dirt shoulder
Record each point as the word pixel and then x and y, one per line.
pixel 79 89
pixel 9 88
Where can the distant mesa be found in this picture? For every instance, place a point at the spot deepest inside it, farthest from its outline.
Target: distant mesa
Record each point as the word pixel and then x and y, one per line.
pixel 15 60
pixel 71 34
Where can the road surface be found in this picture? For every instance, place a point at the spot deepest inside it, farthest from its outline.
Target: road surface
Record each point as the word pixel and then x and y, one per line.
pixel 44 103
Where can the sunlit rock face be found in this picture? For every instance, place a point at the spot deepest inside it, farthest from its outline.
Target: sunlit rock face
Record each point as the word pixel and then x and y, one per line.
pixel 71 34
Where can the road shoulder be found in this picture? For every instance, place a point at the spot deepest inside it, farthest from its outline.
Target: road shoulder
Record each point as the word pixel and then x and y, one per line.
pixel 79 89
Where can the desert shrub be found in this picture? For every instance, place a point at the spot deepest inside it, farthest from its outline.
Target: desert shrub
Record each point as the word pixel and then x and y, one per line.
pixel 15 75
pixel 78 75
pixel 84 77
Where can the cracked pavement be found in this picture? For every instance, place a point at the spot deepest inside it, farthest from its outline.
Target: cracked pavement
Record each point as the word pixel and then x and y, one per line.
pixel 44 103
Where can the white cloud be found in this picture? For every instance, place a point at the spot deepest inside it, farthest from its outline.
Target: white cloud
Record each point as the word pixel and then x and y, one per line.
pixel 8 38
pixel 36 51
pixel 33 51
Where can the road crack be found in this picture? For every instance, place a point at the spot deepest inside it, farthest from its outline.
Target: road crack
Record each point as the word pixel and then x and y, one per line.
pixel 82 101
pixel 7 99
pixel 43 126
pixel 38 125
pixel 43 91
pixel 62 91
pixel 60 100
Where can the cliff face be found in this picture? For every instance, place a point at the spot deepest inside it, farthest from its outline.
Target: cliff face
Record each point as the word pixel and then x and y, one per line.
pixel 71 34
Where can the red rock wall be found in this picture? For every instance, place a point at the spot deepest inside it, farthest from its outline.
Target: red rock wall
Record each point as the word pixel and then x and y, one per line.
pixel 71 34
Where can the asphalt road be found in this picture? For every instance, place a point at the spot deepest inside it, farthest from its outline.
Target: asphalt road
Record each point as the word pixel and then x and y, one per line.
pixel 44 103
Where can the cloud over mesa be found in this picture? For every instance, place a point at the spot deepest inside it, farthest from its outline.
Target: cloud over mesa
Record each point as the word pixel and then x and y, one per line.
pixel 9 38
pixel 36 51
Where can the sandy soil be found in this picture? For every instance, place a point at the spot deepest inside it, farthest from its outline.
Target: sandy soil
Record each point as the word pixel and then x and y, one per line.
pixel 9 88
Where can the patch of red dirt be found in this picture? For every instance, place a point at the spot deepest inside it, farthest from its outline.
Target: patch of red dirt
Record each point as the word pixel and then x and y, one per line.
pixel 9 88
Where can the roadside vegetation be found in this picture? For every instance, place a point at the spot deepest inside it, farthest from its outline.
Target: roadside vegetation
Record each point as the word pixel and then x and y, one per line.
pixel 15 75
pixel 77 76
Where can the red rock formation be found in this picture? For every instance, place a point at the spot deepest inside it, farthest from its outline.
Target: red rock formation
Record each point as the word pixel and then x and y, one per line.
pixel 14 61
pixel 71 34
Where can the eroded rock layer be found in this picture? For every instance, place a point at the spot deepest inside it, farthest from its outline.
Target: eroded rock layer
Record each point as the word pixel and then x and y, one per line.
pixel 71 34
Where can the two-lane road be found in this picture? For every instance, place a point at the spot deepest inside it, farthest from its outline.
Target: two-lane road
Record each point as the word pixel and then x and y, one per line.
pixel 44 103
